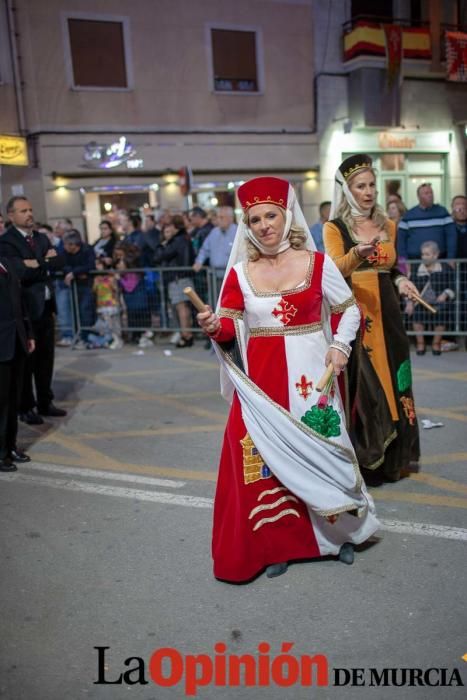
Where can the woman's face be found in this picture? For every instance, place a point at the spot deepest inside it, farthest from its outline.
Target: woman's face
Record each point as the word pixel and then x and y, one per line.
pixel 105 230
pixel 393 211
pixel 169 231
pixel 267 223
pixel 363 188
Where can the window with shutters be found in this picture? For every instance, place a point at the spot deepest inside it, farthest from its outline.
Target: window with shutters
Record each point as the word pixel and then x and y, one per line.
pixel 97 52
pixel 235 60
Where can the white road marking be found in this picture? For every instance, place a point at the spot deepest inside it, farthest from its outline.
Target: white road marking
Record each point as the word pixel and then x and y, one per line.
pixel 101 490
pixel 397 526
pixel 112 476
pixel 443 531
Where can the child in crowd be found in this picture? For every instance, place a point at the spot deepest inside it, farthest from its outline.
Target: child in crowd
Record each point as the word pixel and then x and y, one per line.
pixel 434 281
pixel 127 256
pixel 108 332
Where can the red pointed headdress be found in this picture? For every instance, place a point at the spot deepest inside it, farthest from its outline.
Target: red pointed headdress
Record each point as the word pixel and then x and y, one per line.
pixel 264 190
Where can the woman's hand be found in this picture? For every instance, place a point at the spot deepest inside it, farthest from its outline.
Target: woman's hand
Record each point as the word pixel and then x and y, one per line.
pixel 339 360
pixel 407 288
pixel 364 250
pixel 209 322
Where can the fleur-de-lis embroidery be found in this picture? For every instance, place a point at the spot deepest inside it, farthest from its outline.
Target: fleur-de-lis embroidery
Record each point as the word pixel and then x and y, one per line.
pixel 304 387
pixel 284 311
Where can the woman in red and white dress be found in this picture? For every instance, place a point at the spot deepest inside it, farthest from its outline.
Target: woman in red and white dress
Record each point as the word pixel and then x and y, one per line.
pixel 289 485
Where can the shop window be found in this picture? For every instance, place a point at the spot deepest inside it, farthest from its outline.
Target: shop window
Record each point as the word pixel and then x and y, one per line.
pixel 234 60
pixel 392 161
pixel 97 52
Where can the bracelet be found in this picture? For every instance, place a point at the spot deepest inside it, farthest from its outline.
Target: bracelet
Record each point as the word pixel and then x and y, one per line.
pixel 399 279
pixel 343 347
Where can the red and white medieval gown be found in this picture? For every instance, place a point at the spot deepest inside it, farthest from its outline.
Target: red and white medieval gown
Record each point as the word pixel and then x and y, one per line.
pixel 280 483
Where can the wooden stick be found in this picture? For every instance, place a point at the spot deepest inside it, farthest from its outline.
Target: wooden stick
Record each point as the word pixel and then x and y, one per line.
pixel 195 299
pixel 325 378
pixel 424 303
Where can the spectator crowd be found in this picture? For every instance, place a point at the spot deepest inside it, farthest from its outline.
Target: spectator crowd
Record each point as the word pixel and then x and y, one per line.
pixel 129 283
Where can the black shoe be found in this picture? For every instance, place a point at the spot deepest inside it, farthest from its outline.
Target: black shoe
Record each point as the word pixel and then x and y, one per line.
pixel 346 553
pixel 276 569
pixel 17 455
pixel 184 342
pixel 6 465
pixel 31 418
pixel 52 410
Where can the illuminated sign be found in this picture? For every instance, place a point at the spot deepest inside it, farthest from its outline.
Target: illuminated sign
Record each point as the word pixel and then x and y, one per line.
pixel 13 150
pixel 103 156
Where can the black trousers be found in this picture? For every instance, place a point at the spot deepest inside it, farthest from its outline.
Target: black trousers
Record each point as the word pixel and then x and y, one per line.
pixel 11 378
pixel 40 364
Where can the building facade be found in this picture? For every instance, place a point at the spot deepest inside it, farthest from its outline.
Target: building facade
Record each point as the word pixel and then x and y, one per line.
pixel 122 102
pixel 115 104
pixel 414 128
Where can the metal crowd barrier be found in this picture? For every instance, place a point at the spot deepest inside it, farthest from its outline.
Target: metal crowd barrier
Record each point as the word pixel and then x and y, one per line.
pixel 147 300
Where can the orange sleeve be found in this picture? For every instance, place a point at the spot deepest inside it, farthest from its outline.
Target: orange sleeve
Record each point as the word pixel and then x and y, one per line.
pixel 334 246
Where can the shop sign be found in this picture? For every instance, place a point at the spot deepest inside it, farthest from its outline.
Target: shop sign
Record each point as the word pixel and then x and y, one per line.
pixel 13 150
pixel 387 140
pixel 105 156
pixel 360 141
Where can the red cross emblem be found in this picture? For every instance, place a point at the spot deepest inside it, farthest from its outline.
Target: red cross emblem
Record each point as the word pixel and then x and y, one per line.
pixel 303 387
pixel 378 256
pixel 284 311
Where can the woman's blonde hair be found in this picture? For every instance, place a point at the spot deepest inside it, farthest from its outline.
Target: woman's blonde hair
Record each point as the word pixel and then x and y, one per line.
pixel 378 215
pixel 297 238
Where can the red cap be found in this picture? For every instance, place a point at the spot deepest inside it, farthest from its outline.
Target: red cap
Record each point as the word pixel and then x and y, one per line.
pixel 264 190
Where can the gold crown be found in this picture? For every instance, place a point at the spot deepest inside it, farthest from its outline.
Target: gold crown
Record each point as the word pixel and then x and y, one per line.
pixel 350 171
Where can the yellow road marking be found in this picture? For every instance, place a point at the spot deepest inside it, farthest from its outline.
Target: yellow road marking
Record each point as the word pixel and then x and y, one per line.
pixel 127 468
pixel 442 412
pixel 446 458
pixel 196 363
pixel 84 451
pixel 439 482
pixel 429 374
pixel 169 430
pixel 164 399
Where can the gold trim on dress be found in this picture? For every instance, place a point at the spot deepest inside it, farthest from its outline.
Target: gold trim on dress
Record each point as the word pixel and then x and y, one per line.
pixel 225 312
pixel 300 288
pixel 340 308
pixel 270 492
pixel 264 521
pixel 270 506
pixel 303 329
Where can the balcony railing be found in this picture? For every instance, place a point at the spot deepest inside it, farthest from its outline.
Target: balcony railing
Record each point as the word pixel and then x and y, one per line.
pixel 363 35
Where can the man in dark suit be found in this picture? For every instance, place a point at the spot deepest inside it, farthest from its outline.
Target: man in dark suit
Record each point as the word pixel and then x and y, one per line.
pixel 34 257
pixel 16 342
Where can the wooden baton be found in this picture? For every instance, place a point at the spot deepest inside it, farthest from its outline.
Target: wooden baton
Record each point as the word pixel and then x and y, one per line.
pixel 424 303
pixel 325 378
pixel 195 299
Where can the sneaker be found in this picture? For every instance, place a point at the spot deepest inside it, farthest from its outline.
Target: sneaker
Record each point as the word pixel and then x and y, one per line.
pixel 80 345
pixel 148 334
pixel 448 346
pixel 116 344
pixel 175 338
pixel 144 342
pixel 64 342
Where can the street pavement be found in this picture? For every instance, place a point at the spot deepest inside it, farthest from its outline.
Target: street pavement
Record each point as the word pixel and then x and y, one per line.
pixel 106 543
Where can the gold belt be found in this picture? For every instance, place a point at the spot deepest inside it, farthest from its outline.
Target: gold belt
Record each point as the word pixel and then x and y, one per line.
pixel 286 330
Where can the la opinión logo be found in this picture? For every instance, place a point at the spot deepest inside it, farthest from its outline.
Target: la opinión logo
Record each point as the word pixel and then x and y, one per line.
pixel 168 667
